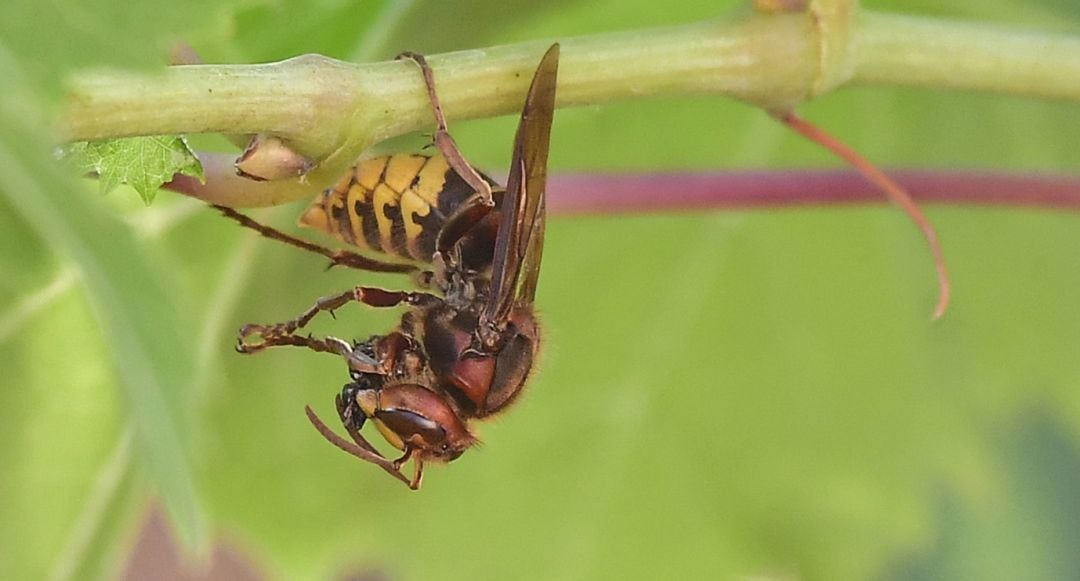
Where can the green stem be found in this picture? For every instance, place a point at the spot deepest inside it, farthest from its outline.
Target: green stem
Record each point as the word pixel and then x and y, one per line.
pixel 946 54
pixel 331 111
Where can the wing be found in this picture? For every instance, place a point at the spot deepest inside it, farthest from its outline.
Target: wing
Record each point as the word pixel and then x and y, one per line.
pixel 520 241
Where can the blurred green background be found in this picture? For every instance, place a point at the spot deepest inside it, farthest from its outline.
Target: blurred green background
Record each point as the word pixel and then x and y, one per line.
pixel 722 394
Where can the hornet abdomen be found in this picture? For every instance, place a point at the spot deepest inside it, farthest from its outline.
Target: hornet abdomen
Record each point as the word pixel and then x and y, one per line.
pixel 394 205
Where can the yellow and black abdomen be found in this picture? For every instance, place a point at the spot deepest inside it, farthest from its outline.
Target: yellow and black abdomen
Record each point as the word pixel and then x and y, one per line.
pixel 396 205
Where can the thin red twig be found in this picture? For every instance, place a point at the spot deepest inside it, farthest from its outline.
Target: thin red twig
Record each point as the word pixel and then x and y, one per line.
pixel 892 189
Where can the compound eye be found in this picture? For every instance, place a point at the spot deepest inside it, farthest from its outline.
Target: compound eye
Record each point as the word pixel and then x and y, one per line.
pixel 412 415
pixel 409 426
pixel 452 454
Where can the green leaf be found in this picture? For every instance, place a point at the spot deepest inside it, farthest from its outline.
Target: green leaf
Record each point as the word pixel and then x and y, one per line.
pixel 128 341
pixel 86 355
pixel 144 163
pixel 52 38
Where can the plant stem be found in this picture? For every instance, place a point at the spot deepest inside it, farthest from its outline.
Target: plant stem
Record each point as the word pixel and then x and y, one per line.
pixel 947 54
pixel 331 111
pixel 696 192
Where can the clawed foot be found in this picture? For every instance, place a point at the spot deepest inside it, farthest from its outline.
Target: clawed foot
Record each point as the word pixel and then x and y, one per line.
pixel 254 338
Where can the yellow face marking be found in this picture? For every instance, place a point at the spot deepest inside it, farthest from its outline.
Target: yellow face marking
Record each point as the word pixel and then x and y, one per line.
pixel 412 206
pixel 389 434
pixel 369 404
pixel 369 172
pixel 382 197
pixel 432 180
pixel 401 171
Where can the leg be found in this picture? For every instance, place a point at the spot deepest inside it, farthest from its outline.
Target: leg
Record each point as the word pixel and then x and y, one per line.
pixel 337 257
pixel 328 345
pixel 444 141
pixel 418 474
pixel 460 223
pixel 283 333
pixel 398 355
pixel 404 456
pixel 393 356
pixel 418 466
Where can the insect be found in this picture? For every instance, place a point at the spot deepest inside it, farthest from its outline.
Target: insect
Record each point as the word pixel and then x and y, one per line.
pixel 466 344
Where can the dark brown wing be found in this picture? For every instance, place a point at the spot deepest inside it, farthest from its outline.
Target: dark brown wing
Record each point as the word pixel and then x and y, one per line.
pixel 519 244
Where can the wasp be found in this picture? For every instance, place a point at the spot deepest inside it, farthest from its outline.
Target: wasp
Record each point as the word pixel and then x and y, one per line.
pixel 466 344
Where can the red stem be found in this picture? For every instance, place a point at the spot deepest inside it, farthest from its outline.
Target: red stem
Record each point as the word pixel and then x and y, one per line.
pixel 892 189
pixel 596 194
pixel 599 193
